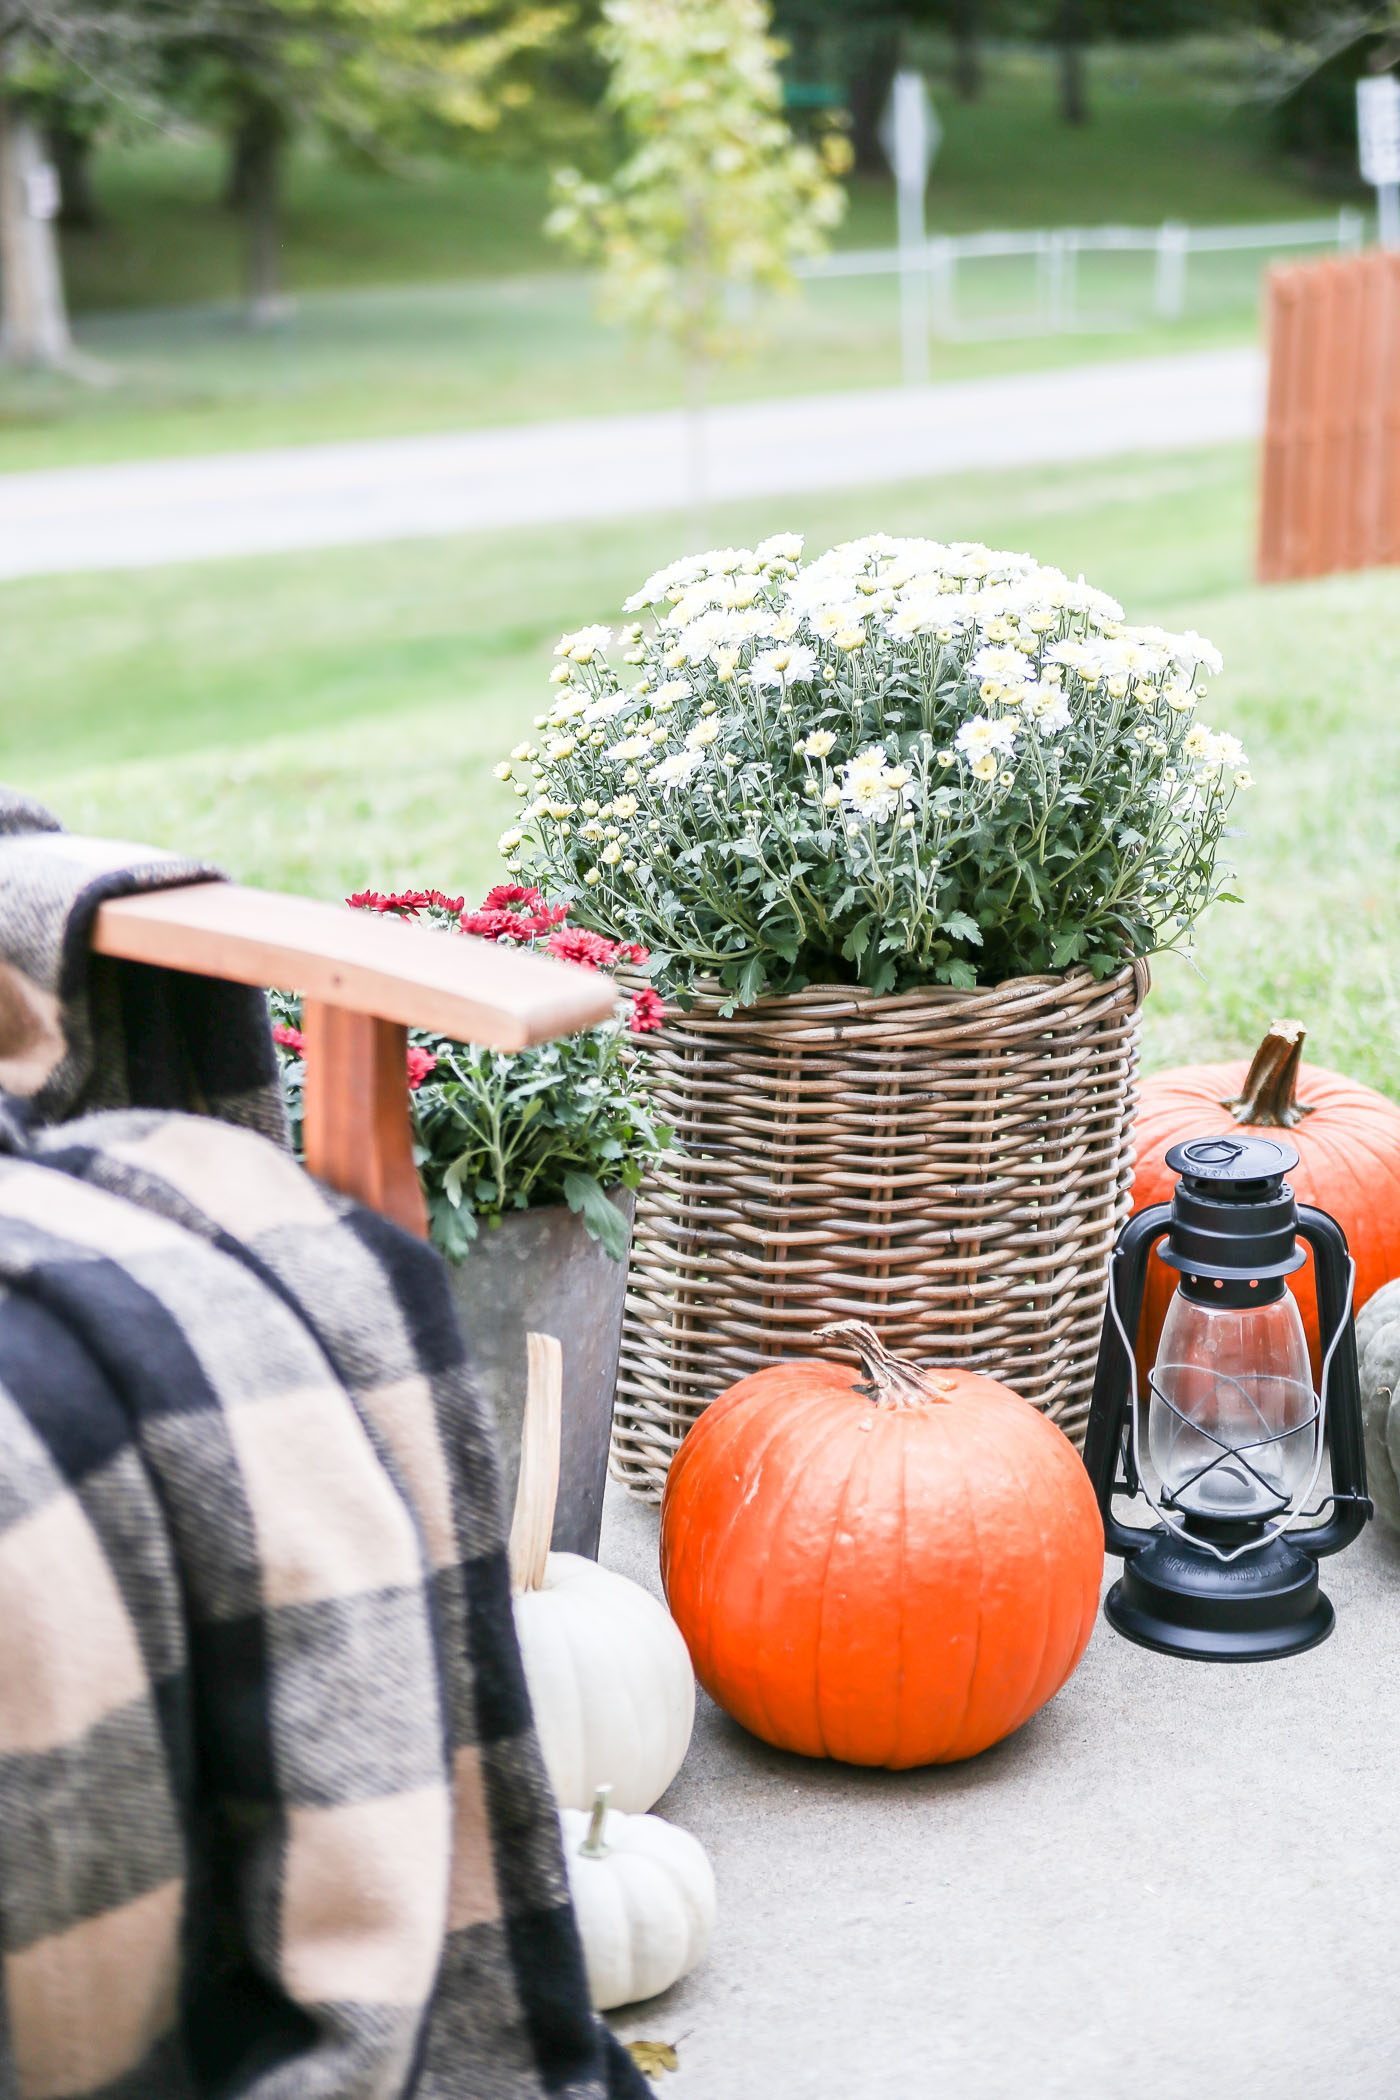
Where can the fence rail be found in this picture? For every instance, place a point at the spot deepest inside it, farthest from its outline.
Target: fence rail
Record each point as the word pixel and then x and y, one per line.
pixel 929 273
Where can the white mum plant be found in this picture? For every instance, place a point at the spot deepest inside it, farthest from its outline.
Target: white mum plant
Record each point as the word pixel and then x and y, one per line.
pixel 902 763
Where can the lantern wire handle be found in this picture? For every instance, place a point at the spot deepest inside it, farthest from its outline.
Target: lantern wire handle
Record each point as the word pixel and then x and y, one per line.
pixel 1266 1537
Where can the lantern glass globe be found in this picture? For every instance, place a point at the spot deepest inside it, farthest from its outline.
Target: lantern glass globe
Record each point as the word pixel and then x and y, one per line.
pixel 1233 1420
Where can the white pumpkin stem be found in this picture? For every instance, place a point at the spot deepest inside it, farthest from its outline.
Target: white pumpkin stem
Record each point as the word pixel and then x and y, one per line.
pixel 893 1380
pixel 537 1488
pixel 593 1846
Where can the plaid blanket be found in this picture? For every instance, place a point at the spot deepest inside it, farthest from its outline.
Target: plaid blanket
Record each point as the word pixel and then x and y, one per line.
pixel 273 1819
pixel 80 1031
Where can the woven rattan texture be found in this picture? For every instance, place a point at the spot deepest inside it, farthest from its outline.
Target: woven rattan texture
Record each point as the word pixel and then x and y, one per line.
pixel 951 1166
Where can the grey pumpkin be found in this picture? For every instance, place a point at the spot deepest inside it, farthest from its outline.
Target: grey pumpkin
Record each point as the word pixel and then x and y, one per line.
pixel 1378 1350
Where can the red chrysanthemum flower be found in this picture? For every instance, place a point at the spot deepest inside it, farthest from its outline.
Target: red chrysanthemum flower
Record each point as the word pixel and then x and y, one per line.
pixel 512 896
pixel 497 926
pixel 576 944
pixel 290 1039
pixel 547 916
pixel 633 952
pixel 420 1063
pixel 449 904
pixel 406 904
pixel 648 1012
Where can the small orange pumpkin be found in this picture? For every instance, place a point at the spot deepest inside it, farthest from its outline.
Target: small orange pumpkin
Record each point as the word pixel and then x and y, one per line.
pixel 896 1572
pixel 1347 1138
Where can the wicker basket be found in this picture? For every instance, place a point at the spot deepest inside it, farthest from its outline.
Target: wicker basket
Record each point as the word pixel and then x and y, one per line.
pixel 950 1166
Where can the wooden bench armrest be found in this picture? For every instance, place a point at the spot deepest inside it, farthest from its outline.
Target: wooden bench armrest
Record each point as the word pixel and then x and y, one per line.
pixel 469 989
pixel 364 982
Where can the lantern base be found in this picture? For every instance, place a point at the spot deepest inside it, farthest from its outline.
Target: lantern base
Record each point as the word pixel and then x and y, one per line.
pixel 1182 1601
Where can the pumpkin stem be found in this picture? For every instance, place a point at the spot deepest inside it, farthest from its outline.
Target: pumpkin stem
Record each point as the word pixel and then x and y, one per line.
pixel 894 1380
pixel 537 1488
pixel 593 1846
pixel 1269 1100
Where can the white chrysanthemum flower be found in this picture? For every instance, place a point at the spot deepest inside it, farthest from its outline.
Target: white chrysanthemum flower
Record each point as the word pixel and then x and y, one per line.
pixel 561 674
pixel 703 734
pixel 605 707
pixel 985 767
pixel 611 853
pixel 926 612
pixel 623 806
pixel 677 770
pixel 781 546
pixel 870 786
pixel 1049 709
pixel 583 646
pixel 591 876
pixel 502 771
pixel 819 744
pixel 1224 750
pixel 981 737
pixel 792 664
pixel 664 582
pixel 1191 649
pixel 671 690
pixel 568 706
pixel 1078 657
pixel 1196 741
pixel 1244 779
pixel 631 747
pixel 508 841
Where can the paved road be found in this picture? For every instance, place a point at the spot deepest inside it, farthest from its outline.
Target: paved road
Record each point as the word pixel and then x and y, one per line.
pixel 136 516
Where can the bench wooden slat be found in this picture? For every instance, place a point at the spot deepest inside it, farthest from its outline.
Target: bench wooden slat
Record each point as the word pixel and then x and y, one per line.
pixel 469 989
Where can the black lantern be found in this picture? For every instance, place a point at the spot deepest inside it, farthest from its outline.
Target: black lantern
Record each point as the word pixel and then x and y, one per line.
pixel 1235 1432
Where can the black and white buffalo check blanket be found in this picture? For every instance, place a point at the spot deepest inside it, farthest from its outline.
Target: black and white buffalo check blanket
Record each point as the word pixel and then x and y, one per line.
pixel 273 1817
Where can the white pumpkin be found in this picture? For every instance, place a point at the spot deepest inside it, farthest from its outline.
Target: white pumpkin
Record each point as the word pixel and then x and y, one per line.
pixel 607 1667
pixel 1378 1360
pixel 644 1897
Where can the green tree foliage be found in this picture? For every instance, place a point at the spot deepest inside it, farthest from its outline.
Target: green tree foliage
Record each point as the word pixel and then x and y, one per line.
pixel 715 199
pixel 373 75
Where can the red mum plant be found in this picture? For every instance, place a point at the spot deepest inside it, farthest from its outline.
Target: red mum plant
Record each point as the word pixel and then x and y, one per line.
pixel 564 1122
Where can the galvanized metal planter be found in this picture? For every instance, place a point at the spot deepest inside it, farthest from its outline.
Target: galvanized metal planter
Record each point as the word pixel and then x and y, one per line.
pixel 540 1270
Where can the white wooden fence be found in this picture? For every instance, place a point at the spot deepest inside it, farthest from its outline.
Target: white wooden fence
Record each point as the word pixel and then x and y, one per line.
pixel 932 273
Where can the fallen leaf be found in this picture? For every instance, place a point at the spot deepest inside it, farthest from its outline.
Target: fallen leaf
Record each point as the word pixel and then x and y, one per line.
pixel 653 2057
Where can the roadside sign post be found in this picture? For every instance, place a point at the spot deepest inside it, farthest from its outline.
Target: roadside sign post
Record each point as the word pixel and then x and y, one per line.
pixel 911 135
pixel 1378 138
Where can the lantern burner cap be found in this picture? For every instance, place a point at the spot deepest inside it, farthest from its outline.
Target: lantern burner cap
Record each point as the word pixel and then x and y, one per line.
pixel 1233 1168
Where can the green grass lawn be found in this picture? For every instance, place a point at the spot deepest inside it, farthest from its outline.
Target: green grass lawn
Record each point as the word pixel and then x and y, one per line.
pixel 433 301
pixel 327 721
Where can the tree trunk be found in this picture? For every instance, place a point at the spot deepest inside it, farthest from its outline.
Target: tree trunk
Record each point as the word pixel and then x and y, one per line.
pixel 33 316
pixel 965 16
pixel 871 63
pixel 1072 34
pixel 257 164
pixel 70 148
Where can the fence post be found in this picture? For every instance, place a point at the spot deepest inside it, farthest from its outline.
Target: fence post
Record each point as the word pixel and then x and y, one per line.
pixel 1169 290
pixel 942 262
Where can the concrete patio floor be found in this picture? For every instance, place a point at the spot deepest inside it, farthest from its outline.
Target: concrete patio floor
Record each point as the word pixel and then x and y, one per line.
pixel 1176 1880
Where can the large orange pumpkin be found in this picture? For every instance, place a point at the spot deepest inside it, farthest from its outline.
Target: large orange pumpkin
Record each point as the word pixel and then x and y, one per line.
pixel 1347 1138
pixel 896 1572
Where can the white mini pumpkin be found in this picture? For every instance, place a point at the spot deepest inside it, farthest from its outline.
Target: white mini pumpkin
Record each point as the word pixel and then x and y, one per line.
pixel 644 1897
pixel 607 1667
pixel 1378 1359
